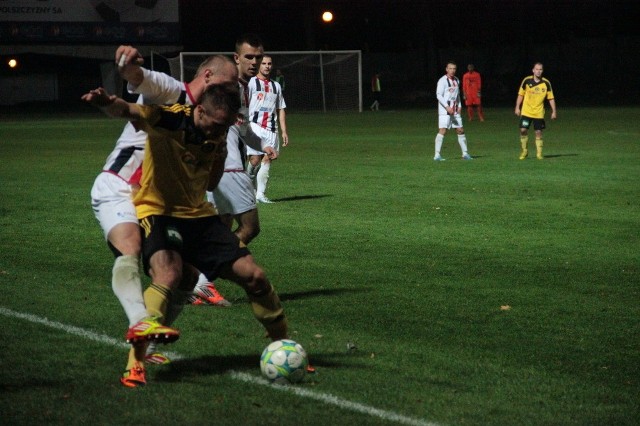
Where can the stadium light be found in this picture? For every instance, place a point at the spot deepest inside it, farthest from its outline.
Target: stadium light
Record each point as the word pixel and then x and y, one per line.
pixel 12 63
pixel 327 17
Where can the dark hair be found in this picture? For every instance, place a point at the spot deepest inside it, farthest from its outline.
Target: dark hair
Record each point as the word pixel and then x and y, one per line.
pixel 225 96
pixel 251 39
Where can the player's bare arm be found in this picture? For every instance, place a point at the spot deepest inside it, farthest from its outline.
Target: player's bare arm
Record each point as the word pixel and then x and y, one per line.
pixel 552 104
pixel 129 61
pixel 518 103
pixel 111 104
pixel 282 118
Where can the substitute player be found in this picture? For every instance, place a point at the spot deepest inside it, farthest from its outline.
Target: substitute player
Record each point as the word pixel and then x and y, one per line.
pixel 267 115
pixel 472 91
pixel 532 93
pixel 449 106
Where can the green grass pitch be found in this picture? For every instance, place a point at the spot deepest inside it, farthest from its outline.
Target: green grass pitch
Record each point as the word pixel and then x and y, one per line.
pixel 484 292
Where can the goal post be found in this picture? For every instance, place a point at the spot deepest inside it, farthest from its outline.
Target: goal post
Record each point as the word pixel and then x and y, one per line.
pixel 323 80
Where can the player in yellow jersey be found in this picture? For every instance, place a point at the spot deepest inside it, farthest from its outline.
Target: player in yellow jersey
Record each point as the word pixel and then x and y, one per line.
pixel 534 90
pixel 184 157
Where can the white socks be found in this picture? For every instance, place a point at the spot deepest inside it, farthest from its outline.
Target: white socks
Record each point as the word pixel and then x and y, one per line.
pixel 127 286
pixel 462 140
pixel 439 140
pixel 262 178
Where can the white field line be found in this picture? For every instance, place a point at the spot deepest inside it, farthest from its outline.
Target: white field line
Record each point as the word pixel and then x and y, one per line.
pixel 244 377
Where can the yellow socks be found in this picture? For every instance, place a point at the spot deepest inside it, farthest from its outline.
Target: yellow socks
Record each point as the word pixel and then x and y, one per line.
pixel 156 298
pixel 524 140
pixel 539 145
pixel 268 310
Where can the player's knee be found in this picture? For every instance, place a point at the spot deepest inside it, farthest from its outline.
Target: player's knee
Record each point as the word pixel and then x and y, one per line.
pixel 258 283
pixel 250 232
pixel 166 275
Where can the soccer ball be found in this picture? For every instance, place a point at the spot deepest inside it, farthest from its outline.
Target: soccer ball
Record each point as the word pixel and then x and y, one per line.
pixel 284 361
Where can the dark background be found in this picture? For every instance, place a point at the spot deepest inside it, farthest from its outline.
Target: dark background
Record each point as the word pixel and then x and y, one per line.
pixel 590 48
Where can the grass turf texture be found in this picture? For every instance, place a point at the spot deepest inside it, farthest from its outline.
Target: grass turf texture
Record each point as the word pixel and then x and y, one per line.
pixel 494 291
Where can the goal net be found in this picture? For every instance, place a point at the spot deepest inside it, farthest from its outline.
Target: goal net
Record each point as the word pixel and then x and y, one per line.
pixel 314 80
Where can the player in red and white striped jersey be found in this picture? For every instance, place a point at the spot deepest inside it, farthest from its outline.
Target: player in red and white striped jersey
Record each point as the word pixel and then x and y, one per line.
pixel 449 108
pixel 267 115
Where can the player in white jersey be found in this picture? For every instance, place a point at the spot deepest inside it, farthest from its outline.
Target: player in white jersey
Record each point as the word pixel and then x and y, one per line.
pixel 235 197
pixel 112 189
pixel 267 115
pixel 449 108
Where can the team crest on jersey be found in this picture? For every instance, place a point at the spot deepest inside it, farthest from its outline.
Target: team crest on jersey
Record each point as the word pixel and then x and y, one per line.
pixel 452 89
pixel 260 96
pixel 173 236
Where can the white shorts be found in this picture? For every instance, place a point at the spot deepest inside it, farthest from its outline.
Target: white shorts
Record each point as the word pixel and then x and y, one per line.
pixel 234 194
pixel 111 202
pixel 267 136
pixel 446 121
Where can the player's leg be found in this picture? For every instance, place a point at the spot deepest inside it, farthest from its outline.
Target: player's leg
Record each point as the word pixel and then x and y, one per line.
pixel 539 144
pixel 248 225
pixel 262 180
pixel 125 278
pixel 272 139
pixel 462 141
pixel 116 214
pixel 480 113
pixel 236 201
pixel 254 164
pixel 444 121
pixel 525 122
pixel 265 302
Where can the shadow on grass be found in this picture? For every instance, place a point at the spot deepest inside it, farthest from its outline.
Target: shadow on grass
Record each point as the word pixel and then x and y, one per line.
pixel 309 294
pixel 300 197
pixel 320 292
pixel 560 155
pixel 212 365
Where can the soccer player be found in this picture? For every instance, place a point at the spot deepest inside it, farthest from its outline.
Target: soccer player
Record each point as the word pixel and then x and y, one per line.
pixel 266 114
pixel 449 106
pixel 184 157
pixel 532 93
pixel 112 190
pixel 234 197
pixel 376 90
pixel 472 91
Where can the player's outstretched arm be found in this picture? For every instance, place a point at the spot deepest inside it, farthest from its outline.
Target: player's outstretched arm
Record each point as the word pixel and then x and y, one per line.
pixel 129 61
pixel 111 104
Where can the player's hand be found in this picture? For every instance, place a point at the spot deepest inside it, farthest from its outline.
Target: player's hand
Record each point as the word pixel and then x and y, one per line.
pixel 449 110
pixel 285 139
pixel 99 97
pixel 553 115
pixel 271 153
pixel 128 55
pixel 517 111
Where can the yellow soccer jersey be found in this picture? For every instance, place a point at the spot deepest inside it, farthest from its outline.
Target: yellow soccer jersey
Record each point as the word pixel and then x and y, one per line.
pixel 177 163
pixel 534 95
